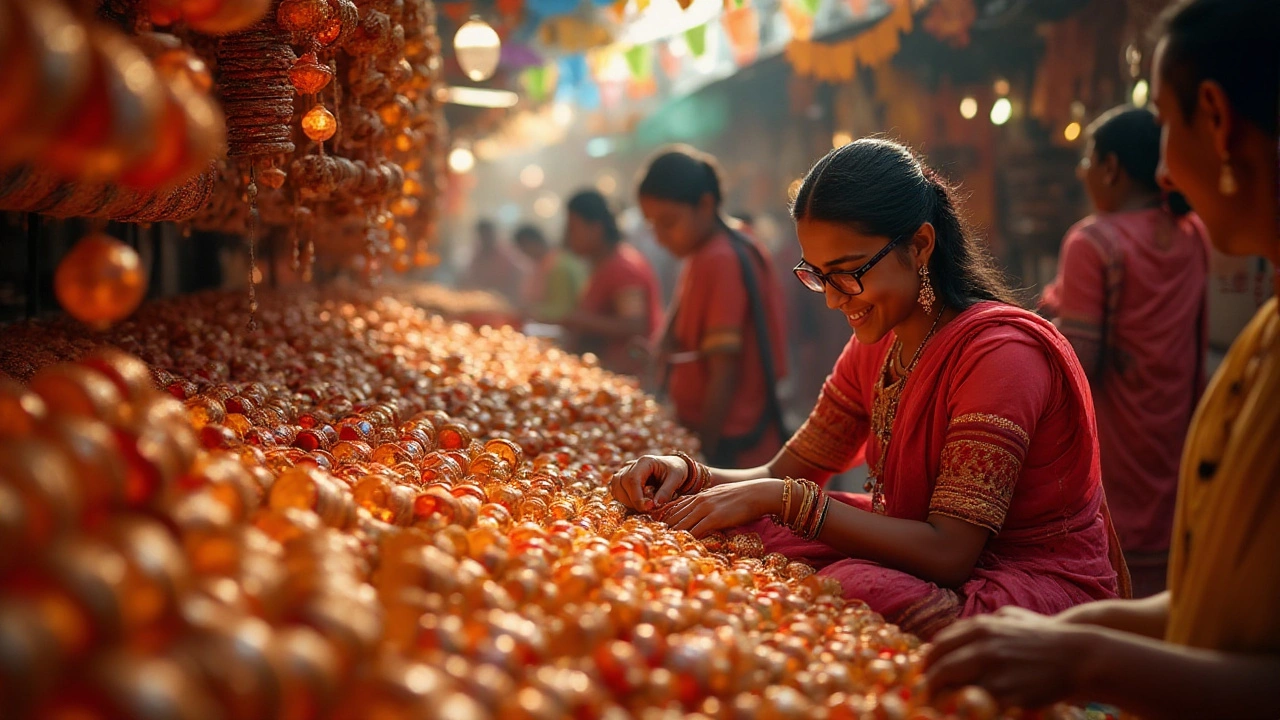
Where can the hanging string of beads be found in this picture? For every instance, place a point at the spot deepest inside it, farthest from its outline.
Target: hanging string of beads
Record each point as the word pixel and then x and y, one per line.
pixel 251 191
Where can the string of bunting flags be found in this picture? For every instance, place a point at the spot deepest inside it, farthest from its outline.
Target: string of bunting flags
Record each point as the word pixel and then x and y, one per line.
pixel 627 56
pixel 740 33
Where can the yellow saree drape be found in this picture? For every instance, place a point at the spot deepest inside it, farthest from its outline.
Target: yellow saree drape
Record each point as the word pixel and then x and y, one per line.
pixel 1224 566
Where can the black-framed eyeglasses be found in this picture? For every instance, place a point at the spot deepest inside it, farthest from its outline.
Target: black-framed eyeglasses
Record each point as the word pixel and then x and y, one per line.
pixel 848 282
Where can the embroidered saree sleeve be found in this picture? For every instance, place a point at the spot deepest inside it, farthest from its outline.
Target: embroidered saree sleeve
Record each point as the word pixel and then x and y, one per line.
pixel 999 393
pixel 833 437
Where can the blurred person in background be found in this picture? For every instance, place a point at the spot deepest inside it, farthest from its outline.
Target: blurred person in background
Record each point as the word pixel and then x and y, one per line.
pixel 496 266
pixel 1208 647
pixel 665 265
pixel 723 347
pixel 558 278
pixel 621 308
pixel 1131 297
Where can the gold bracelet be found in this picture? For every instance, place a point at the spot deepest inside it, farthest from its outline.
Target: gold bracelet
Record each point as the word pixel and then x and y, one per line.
pixel 805 503
pixel 780 518
pixel 691 472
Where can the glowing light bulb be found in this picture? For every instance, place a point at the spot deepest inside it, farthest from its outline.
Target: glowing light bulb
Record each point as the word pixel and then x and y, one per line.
pixel 461 160
pixel 969 108
pixel 1071 132
pixel 1141 93
pixel 841 138
pixel 478 49
pixel 1001 111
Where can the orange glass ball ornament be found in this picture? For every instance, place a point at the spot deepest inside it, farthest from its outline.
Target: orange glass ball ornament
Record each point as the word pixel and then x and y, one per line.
pixel 319 124
pixel 100 281
pixel 404 207
pixel 192 131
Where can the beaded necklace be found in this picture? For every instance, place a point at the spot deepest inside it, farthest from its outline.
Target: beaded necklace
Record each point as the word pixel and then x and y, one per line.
pixel 885 408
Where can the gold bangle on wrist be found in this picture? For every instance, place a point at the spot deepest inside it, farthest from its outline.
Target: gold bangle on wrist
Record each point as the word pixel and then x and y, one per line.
pixel 696 476
pixel 780 518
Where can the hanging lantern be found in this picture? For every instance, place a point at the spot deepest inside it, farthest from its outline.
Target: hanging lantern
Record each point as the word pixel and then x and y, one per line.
pixel 303 16
pixel 273 177
pixel 478 48
pixel 308 76
pixel 319 124
pixel 100 281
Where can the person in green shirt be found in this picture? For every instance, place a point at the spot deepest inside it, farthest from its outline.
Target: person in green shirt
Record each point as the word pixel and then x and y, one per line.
pixel 553 288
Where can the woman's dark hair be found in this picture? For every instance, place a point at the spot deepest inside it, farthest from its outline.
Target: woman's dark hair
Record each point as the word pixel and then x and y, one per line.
pixel 1132 135
pixel 592 207
pixel 682 174
pixel 1231 42
pixel 879 187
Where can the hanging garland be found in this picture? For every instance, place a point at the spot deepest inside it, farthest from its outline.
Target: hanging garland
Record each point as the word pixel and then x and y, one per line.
pixel 837 62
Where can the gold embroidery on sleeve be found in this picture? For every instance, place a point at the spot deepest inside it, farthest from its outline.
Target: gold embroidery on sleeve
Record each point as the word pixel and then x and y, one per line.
pixel 981 463
pixel 832 435
pixel 1002 423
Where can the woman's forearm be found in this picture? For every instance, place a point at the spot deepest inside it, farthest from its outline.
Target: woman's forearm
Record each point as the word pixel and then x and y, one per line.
pixel 1147 617
pixel 942 550
pixel 784 464
pixel 1160 680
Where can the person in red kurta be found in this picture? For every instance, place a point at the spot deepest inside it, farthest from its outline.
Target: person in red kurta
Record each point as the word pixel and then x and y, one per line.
pixel 620 308
pixel 1131 297
pixel 973 415
pixel 716 374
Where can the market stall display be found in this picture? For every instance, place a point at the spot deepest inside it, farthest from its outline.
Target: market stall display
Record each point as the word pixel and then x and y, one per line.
pixel 365 511
pixel 246 117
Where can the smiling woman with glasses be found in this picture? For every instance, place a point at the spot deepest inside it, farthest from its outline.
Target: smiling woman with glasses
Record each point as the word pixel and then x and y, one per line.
pixel 972 414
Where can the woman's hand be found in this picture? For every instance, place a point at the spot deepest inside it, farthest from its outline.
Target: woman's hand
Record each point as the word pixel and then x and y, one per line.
pixel 1022 658
pixel 723 506
pixel 648 481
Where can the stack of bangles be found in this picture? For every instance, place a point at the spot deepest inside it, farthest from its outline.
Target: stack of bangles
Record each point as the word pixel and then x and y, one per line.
pixel 810 504
pixel 697 477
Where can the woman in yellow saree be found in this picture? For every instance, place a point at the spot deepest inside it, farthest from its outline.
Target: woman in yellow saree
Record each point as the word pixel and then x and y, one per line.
pixel 1209 647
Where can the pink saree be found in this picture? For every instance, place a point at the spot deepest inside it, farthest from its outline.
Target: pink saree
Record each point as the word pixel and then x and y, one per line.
pixel 995 427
